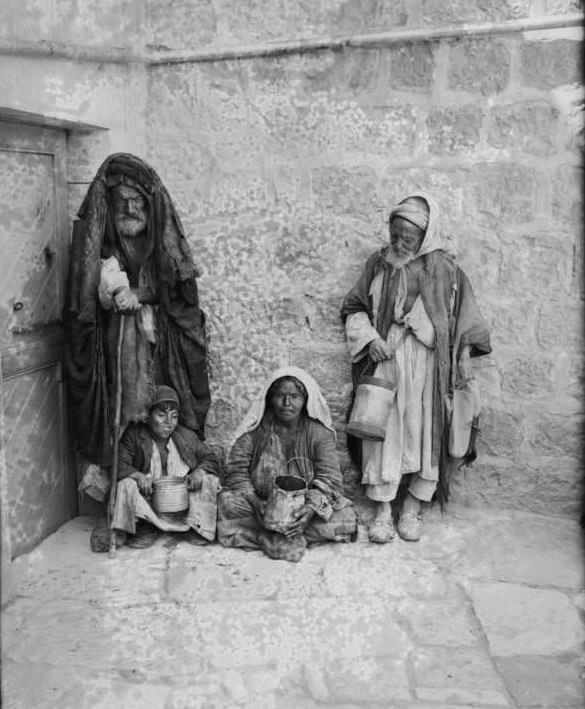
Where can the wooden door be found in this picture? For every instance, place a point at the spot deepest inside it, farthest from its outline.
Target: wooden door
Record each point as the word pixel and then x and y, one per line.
pixel 40 482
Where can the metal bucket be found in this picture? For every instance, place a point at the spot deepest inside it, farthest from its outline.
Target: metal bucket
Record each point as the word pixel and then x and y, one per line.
pixel 170 495
pixel 285 498
pixel 371 408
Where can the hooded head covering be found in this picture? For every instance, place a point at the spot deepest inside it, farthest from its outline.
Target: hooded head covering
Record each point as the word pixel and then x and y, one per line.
pixel 425 219
pixel 317 407
pixel 165 235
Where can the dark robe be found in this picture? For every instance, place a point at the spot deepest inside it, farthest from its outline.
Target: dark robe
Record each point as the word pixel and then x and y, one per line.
pixel 178 357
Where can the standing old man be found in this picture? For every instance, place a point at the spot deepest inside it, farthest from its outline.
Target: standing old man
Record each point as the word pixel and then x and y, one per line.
pixel 132 309
pixel 412 318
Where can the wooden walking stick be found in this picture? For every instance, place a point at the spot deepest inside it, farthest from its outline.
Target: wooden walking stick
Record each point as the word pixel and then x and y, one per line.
pixel 116 431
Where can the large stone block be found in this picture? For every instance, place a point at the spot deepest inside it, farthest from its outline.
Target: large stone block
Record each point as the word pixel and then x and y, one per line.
pixel 458 675
pixel 543 681
pixel 545 65
pixel 557 434
pixel 567 200
pixel 521 548
pixel 439 12
pixel 344 191
pixel 502 431
pixel 243 23
pixel 479 65
pixel 526 621
pixel 107 24
pixel 454 129
pixel 177 25
pixel 85 153
pixel 527 376
pixel 553 486
pixel 355 16
pixel 336 126
pixel 560 7
pixel 527 126
pixel 543 262
pixel 443 623
pixel 389 131
pixel 412 66
pixel 332 71
pixel 510 319
pixel 504 191
pixel 367 680
pixel 559 326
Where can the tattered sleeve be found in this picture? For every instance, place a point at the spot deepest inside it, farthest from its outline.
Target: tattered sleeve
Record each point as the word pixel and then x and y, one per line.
pixel 326 487
pixel 237 476
pixel 127 455
pixel 356 312
pixel 471 329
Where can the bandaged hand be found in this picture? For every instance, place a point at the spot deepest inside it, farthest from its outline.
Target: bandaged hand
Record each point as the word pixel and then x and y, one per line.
pixel 301 520
pixel 125 300
pixel 378 350
pixel 195 479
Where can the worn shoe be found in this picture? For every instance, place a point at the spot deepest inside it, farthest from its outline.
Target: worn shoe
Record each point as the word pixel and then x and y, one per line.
pixel 146 535
pixel 381 531
pixel 410 526
pixel 100 539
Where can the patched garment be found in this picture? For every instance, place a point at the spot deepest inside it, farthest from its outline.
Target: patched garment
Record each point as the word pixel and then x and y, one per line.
pixel 259 454
pixel 163 343
pixel 426 313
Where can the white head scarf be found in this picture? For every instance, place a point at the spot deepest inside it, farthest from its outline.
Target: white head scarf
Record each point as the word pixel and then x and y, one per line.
pixel 432 240
pixel 317 407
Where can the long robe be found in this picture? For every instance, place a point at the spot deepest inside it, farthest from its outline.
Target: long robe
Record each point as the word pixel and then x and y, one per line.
pixel 173 351
pixel 430 289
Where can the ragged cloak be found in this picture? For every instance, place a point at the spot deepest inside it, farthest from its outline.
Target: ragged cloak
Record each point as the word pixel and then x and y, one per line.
pixel 177 358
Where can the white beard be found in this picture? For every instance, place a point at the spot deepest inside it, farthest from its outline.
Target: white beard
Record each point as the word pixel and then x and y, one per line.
pixel 398 261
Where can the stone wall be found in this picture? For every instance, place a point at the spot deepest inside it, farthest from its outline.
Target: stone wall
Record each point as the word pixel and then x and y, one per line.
pixel 69 85
pixel 284 168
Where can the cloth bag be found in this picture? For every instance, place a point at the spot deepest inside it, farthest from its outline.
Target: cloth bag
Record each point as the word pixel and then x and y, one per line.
pixel 464 408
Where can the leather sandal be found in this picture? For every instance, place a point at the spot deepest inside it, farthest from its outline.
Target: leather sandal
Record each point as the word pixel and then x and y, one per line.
pixel 410 526
pixel 381 531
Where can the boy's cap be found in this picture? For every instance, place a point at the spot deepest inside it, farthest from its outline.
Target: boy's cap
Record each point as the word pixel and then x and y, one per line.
pixel 165 395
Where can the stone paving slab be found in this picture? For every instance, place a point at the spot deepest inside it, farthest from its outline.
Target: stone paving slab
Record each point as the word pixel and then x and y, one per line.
pixel 535 681
pixel 468 617
pixel 459 675
pixel 519 620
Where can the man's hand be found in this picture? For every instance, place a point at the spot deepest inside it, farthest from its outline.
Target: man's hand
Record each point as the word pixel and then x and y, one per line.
pixel 195 479
pixel 301 520
pixel 144 483
pixel 378 350
pixel 126 301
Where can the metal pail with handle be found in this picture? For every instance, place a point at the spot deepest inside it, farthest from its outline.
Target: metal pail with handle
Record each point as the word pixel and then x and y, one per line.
pixel 371 408
pixel 170 495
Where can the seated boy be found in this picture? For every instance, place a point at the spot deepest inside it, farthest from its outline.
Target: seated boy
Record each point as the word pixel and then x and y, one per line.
pixel 151 450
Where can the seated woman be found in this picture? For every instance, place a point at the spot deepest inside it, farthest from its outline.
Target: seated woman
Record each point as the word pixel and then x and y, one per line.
pixel 151 450
pixel 287 431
